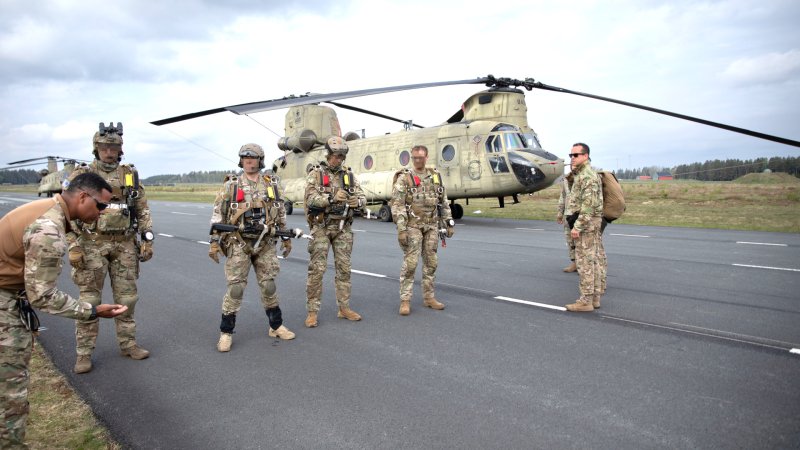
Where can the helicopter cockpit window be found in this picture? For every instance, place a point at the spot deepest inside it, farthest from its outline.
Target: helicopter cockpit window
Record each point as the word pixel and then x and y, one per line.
pixel 494 144
pixel 368 162
pixel 448 152
pixel 498 164
pixel 531 140
pixel 405 157
pixel 513 141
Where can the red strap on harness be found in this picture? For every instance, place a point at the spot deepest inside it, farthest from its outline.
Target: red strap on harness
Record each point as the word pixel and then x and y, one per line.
pixel 326 180
pixel 239 195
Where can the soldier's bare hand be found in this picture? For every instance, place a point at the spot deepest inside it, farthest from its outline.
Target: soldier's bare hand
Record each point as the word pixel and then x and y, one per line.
pixel 451 231
pixel 109 311
pixel 575 234
pixel 340 196
pixel 214 250
pixel 560 219
pixel 286 246
pixel 402 239
pixel 76 256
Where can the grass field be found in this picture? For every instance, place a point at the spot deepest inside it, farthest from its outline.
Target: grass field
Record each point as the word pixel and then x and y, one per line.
pixel 762 202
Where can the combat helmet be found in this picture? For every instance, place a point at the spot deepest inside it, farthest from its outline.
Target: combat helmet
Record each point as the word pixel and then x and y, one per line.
pixel 336 146
pixel 107 135
pixel 252 150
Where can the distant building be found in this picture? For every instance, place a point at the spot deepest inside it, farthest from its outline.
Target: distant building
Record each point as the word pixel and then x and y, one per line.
pixel 664 176
pixel 644 177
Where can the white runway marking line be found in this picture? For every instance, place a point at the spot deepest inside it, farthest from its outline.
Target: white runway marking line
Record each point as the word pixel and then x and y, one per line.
pixel 767 267
pixel 183 213
pixel 204 242
pixel 370 274
pixel 629 235
pixel 796 351
pixel 19 200
pixel 526 302
pixel 530 229
pixel 358 231
pixel 761 243
pixel 165 235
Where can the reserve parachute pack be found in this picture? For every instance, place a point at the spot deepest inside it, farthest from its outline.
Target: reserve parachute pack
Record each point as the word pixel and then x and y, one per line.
pixel 613 197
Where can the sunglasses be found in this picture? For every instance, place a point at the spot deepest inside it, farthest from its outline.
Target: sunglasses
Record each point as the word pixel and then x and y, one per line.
pixel 575 155
pixel 100 205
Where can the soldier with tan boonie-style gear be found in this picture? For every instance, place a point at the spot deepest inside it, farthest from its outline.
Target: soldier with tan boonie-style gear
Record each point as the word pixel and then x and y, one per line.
pixel 248 214
pixel 114 244
pixel 332 195
pixel 32 247
pixel 422 214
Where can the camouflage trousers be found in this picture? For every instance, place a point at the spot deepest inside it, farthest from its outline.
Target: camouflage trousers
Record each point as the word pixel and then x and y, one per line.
pixel 237 268
pixel 603 264
pixel 426 242
pixel 570 241
pixel 342 243
pixel 590 262
pixel 118 258
pixel 16 345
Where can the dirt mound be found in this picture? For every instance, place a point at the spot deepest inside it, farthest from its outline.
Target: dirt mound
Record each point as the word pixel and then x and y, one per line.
pixel 768 178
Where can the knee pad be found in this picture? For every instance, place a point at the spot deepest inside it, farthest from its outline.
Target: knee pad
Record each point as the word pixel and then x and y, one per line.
pixel 269 287
pixel 236 290
pixel 228 323
pixel 275 317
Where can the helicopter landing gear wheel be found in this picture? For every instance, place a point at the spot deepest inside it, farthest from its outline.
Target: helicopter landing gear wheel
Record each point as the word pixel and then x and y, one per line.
pixel 289 208
pixel 457 211
pixel 385 214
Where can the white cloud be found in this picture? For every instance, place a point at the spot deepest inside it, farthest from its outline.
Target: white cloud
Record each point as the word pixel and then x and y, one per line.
pixel 767 68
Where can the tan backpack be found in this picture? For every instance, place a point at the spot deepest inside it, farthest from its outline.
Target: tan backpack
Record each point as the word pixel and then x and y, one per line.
pixel 613 197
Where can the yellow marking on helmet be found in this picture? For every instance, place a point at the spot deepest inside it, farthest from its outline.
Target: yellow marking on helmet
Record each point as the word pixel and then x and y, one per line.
pixel 128 179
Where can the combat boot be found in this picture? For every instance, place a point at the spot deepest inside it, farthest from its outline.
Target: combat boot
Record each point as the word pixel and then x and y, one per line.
pixel 596 302
pixel 347 313
pixel 432 303
pixel 225 341
pixel 571 268
pixel 580 305
pixel 282 332
pixel 405 307
pixel 83 364
pixel 311 319
pixel 134 352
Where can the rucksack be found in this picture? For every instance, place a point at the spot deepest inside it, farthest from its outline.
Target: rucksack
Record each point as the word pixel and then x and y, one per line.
pixel 613 198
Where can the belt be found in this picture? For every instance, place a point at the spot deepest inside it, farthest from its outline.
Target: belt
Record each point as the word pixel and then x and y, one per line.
pixel 108 236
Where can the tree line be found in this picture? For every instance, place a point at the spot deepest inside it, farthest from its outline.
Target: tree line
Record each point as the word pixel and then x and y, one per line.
pixel 19 176
pixel 718 170
pixel 211 176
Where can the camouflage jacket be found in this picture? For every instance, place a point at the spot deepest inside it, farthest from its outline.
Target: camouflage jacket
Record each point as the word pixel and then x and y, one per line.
pixel 246 203
pixel 42 239
pixel 417 199
pixel 586 196
pixel 322 182
pixel 563 199
pixel 116 219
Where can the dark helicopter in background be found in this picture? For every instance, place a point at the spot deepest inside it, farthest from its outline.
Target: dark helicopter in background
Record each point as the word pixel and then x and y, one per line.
pixel 51 178
pixel 486 149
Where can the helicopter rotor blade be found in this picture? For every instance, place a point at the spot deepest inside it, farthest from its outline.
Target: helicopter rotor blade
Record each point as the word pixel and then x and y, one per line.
pixel 756 134
pixel 32 159
pixel 287 102
pixel 372 113
pixel 18 166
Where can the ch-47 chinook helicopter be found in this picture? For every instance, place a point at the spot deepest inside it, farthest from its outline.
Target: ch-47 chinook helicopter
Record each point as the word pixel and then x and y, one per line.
pixel 51 178
pixel 486 149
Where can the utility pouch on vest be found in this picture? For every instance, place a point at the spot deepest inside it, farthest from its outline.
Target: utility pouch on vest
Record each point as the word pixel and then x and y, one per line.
pixel 114 220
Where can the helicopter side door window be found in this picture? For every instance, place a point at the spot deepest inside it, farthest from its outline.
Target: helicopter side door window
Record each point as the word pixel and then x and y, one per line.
pixel 498 164
pixel 494 144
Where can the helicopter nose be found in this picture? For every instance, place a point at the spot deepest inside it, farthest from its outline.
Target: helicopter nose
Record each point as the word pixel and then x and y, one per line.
pixel 527 172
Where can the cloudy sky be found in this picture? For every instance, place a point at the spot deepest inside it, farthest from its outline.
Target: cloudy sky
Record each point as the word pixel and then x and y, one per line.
pixel 69 64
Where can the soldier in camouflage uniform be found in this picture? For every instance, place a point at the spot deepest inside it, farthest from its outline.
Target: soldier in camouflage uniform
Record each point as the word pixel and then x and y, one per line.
pixel 252 203
pixel 563 211
pixel 332 195
pixel 586 198
pixel 32 247
pixel 115 244
pixel 421 211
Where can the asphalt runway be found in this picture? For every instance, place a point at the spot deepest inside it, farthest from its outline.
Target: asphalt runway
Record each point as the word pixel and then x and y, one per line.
pixel 697 345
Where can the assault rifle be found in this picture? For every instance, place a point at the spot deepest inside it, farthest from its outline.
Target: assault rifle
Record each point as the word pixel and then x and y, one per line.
pixel 295 233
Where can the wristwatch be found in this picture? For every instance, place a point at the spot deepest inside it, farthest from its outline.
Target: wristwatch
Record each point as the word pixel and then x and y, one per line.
pixel 148 236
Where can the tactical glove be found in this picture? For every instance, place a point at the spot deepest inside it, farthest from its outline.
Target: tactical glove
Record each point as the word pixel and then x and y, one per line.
pixel 76 256
pixel 451 231
pixel 286 247
pixel 354 202
pixel 402 238
pixel 340 196
pixel 213 250
pixel 145 251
